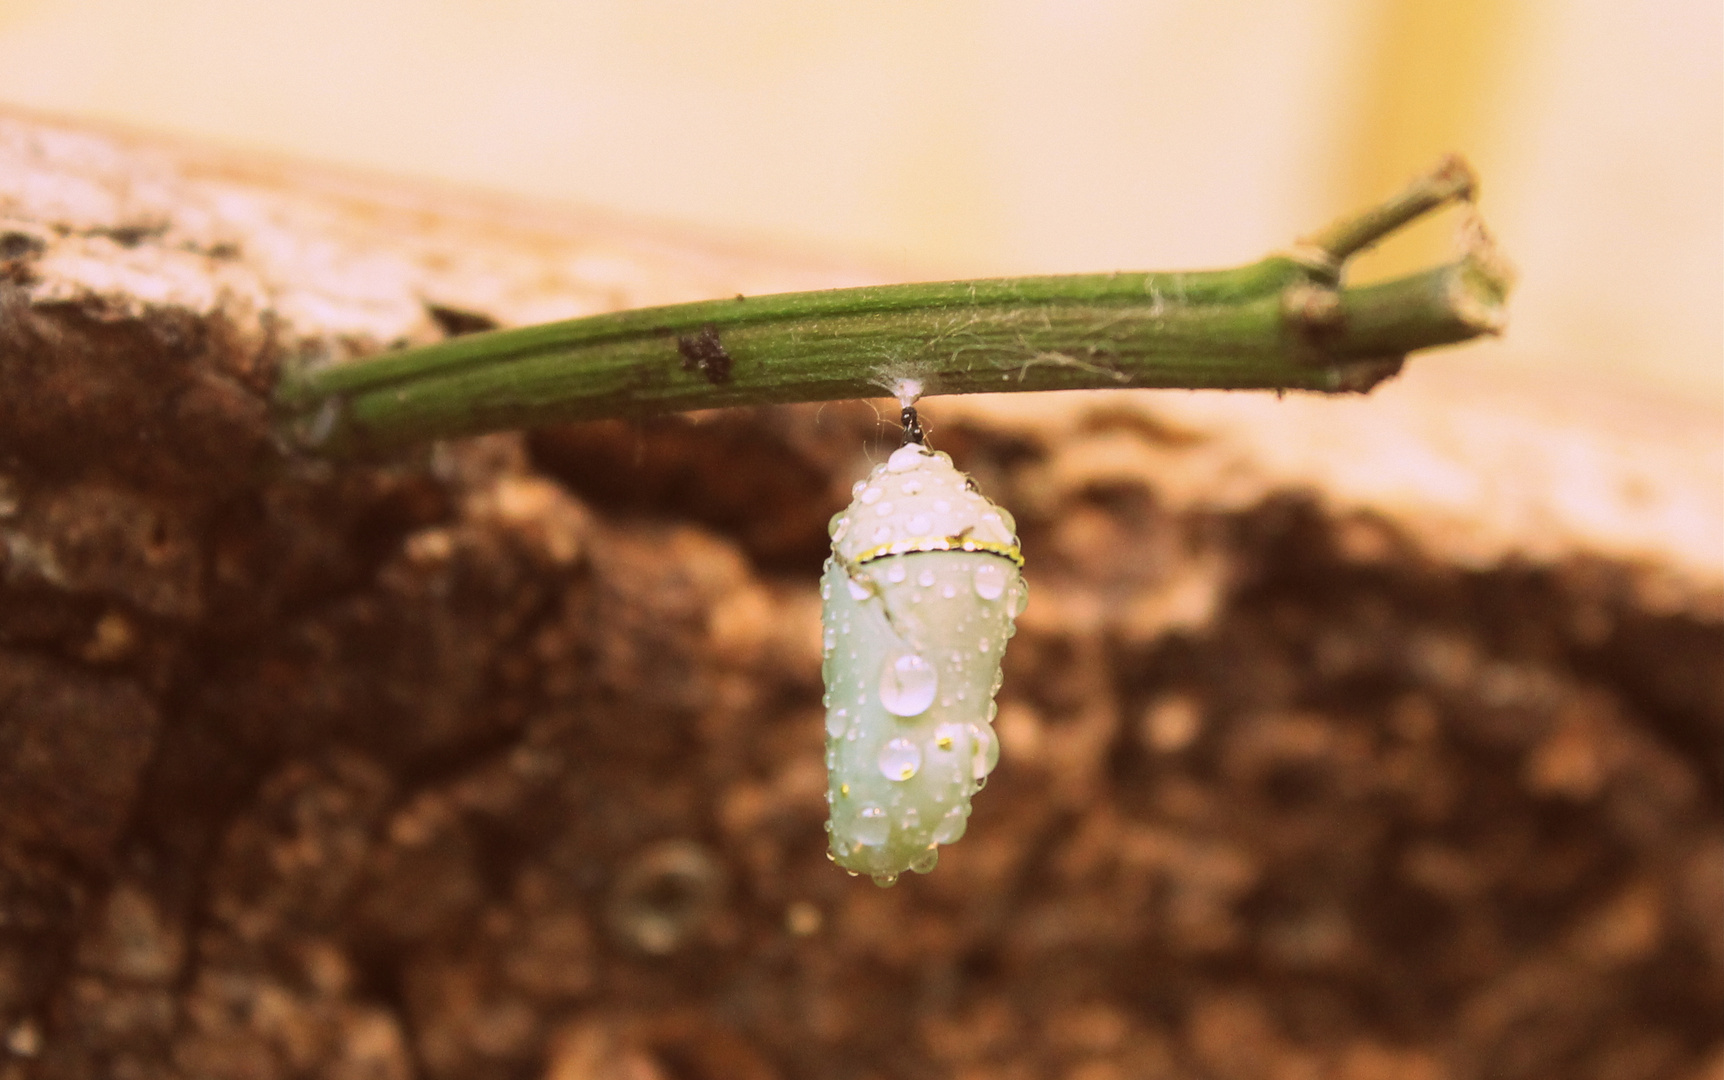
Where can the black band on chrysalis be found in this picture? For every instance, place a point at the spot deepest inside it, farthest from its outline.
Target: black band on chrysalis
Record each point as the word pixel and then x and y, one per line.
pixel 912 427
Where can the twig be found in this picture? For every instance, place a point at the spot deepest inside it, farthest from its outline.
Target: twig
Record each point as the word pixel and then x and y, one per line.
pixel 1282 323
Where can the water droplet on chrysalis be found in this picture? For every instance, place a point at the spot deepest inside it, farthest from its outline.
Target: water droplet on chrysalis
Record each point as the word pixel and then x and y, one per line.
pixel 951 827
pixel 872 827
pixel 899 759
pixel 908 684
pixel 947 737
pixel 986 751
pixel 990 580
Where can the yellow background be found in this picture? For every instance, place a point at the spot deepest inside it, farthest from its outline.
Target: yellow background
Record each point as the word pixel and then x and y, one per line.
pixel 978 137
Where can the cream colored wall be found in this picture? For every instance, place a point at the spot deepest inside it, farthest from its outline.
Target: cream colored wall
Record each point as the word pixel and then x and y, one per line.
pixel 997 136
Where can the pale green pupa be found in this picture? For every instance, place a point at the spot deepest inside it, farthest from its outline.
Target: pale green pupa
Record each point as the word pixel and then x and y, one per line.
pixel 919 598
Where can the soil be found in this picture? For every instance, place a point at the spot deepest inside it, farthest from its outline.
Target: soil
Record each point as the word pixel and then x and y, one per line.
pixel 507 763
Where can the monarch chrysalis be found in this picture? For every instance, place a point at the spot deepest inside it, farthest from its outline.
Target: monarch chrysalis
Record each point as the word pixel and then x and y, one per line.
pixel 919 597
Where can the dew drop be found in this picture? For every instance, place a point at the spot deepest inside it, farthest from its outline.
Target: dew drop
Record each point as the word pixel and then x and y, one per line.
pixel 909 818
pixel 912 486
pixel 925 579
pixel 885 881
pixel 838 526
pixel 870 496
pixel 984 645
pixel 872 827
pixel 899 759
pixel 883 509
pixel 990 580
pixel 986 752
pixel 857 488
pixel 925 861
pixel 858 590
pixel 836 721
pixel 905 458
pixel 882 534
pixel 948 737
pixel 920 524
pixel 896 572
pixel 825 589
pixel 908 684
pixel 948 590
pixel 951 827
pixel 828 641
pixel 1020 599
pixel 941 506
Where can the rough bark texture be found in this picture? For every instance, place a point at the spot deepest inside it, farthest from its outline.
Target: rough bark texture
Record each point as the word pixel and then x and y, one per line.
pixel 505 761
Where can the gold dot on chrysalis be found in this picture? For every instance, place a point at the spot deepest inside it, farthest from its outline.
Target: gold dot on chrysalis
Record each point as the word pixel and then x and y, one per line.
pixel 843 789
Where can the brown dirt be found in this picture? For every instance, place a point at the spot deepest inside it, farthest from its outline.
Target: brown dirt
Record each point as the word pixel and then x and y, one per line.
pixel 372 773
pixel 505 762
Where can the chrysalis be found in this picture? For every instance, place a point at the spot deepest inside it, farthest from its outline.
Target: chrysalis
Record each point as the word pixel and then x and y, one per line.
pixel 920 594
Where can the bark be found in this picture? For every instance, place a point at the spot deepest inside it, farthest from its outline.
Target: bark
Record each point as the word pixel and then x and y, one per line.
pixel 1365 739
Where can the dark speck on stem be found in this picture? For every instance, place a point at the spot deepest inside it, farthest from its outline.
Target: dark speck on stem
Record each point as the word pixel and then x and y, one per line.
pixel 703 352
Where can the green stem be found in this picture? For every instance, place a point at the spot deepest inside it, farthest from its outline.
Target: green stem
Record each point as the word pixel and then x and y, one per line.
pixel 1280 323
pixel 1451 179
